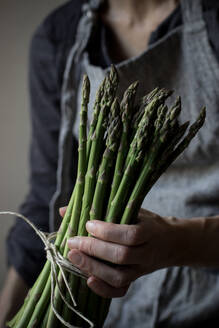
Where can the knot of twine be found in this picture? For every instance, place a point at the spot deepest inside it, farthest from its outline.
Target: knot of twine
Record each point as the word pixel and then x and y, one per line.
pixel 57 260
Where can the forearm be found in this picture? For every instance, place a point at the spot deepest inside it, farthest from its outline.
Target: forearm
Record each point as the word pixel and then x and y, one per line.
pixel 12 296
pixel 196 242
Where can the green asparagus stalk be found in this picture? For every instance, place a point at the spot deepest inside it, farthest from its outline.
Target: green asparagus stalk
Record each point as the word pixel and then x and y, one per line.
pixel 93 299
pixel 31 301
pixel 46 316
pixel 126 109
pixel 162 129
pixel 34 297
pixel 139 112
pixel 116 206
pixel 161 167
pixel 161 94
pixel 88 297
pixel 79 190
pixel 195 127
pixel 140 141
pixel 111 84
pixel 96 111
pixel 148 119
pixel 95 153
pixel 41 304
pixel 139 191
pixel 97 210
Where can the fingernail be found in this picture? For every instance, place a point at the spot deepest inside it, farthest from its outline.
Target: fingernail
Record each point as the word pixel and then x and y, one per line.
pixel 91 281
pixel 61 210
pixel 74 258
pixel 91 226
pixel 73 242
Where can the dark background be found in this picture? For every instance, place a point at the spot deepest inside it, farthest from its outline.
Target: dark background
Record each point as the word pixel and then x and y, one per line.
pixel 18 20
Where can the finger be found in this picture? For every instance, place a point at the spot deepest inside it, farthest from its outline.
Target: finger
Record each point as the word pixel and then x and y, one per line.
pixel 114 253
pixel 103 289
pixel 123 234
pixel 62 210
pixel 114 276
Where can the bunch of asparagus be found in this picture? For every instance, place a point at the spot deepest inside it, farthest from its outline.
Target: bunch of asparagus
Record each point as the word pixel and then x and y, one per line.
pixel 127 149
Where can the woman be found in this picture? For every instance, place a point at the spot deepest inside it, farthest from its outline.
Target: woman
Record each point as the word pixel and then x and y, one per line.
pixel 180 232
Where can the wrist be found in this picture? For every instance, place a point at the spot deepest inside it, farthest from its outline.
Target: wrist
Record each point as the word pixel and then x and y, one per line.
pixel 187 241
pixel 195 242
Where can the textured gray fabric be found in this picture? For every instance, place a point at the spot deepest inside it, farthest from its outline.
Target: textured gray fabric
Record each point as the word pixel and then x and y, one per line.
pixel 183 61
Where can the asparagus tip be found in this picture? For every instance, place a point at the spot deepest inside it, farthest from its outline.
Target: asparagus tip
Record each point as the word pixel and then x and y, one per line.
pixel 86 89
pixel 113 75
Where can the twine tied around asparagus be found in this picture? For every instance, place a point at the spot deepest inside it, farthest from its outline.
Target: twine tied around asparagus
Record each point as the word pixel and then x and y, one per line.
pixel 56 260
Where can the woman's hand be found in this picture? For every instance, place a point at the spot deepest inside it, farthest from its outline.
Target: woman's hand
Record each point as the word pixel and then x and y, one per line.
pixel 116 254
pixel 119 254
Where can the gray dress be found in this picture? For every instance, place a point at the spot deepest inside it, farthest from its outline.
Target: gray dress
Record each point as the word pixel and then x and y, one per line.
pixel 183 60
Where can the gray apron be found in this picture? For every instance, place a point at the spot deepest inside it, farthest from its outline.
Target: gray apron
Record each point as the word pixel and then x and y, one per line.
pixel 182 60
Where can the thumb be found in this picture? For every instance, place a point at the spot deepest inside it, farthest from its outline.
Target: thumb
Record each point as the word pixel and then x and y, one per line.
pixel 62 210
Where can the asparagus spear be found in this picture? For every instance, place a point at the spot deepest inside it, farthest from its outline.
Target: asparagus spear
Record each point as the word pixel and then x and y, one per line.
pixel 96 111
pixel 139 191
pixel 116 206
pixel 126 109
pixel 34 296
pixel 161 167
pixel 95 153
pixel 96 212
pixel 97 209
pixel 142 137
pixel 30 302
pixel 29 307
pixel 97 105
pixel 42 303
pixel 111 84
pixel 79 189
pixel 148 120
pixel 46 316
pixel 191 134
pixel 161 94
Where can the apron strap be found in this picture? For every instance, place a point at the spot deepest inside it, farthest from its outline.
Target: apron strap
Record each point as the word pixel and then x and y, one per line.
pixel 191 11
pixel 68 106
